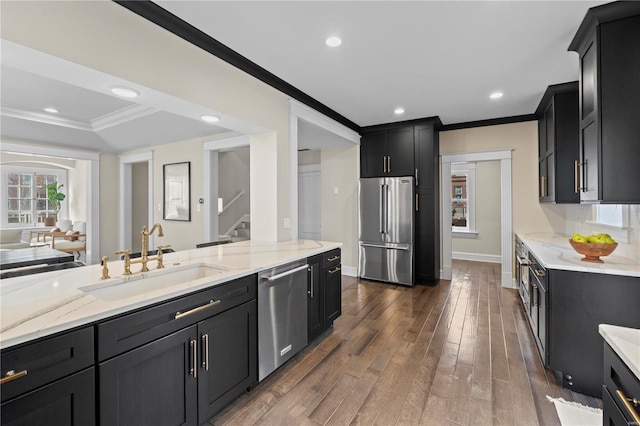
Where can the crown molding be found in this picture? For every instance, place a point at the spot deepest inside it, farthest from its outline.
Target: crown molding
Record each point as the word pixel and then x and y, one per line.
pixel 121 116
pixel 39 117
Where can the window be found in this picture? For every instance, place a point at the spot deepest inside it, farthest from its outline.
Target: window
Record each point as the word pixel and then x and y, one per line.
pixel 25 194
pixel 463 177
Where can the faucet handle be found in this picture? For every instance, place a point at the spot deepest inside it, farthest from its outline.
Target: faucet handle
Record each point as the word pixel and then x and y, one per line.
pixel 127 261
pixel 159 256
pixel 126 252
pixel 105 269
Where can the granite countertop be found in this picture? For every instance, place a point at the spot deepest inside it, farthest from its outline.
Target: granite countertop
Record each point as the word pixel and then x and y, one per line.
pixel 554 252
pixel 626 343
pixel 35 306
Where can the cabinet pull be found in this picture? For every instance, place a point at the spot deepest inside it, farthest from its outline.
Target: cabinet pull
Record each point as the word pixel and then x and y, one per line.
pixel 311 280
pixel 539 273
pixel 193 348
pixel 389 164
pixel 211 303
pixel 12 375
pixel 384 163
pixel 628 406
pixel 333 259
pixel 417 181
pixel 333 271
pixel 205 348
pixel 576 176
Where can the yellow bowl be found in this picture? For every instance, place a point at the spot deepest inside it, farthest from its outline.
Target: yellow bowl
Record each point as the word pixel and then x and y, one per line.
pixel 592 252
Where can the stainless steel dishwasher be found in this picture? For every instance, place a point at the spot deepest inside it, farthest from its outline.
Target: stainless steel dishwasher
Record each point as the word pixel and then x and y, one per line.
pixel 282 315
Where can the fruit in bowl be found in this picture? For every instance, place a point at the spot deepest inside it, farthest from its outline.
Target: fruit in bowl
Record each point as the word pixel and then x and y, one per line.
pixel 593 247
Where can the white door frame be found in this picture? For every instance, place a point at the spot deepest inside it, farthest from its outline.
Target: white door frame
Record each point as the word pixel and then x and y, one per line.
pixel 126 162
pixel 504 157
pixel 93 187
pixel 210 184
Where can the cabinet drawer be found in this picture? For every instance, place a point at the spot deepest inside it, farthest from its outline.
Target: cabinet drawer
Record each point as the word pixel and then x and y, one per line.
pixel 130 331
pixel 44 361
pixel 612 416
pixel 331 258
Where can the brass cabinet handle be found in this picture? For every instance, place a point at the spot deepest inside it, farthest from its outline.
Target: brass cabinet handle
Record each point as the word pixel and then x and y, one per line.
pixel 205 348
pixel 417 181
pixel 628 406
pixel 576 176
pixel 384 164
pixel 333 271
pixel 193 347
pixel 539 273
pixel 334 258
pixel 211 303
pixel 12 375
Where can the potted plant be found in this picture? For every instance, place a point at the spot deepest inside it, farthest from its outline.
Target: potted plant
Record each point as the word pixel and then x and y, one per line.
pixel 55 198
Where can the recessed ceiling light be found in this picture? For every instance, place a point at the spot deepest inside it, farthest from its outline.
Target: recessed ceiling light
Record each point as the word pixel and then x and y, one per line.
pixel 124 92
pixel 333 41
pixel 210 118
pixel 51 110
pixel 398 111
pixel 496 95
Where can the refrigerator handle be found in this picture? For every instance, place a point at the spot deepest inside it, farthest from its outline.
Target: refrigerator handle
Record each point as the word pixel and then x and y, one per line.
pixel 386 209
pixel 381 208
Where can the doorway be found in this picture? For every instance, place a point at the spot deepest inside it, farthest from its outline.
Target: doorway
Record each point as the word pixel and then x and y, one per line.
pixel 506 246
pixel 309 201
pixel 136 199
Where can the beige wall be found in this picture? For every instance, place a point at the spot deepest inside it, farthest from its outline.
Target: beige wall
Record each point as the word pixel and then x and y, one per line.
pixel 77 190
pixel 107 37
pixel 487 212
pixel 528 214
pixel 339 219
pixel 309 157
pixel 233 177
pixel 108 206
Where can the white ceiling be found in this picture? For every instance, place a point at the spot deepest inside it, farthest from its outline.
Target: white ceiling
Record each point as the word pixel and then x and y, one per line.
pixel 431 57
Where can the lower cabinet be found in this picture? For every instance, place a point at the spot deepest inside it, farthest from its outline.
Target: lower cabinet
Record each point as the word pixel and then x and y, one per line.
pixel 324 295
pixel 66 402
pixel 620 391
pixel 183 378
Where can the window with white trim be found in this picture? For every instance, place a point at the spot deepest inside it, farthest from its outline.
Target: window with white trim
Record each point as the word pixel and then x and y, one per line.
pixel 463 195
pixel 24 194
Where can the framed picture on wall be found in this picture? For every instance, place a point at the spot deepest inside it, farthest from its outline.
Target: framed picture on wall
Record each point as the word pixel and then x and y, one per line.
pixel 177 191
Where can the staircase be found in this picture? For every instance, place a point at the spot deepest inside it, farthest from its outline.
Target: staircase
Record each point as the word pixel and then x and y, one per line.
pixel 240 231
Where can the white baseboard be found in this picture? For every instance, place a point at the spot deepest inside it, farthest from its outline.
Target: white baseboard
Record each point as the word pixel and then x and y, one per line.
pixel 351 271
pixel 490 258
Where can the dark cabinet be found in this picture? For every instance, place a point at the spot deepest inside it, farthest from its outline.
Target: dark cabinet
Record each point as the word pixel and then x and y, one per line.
pixel 48 382
pixel 180 377
pixel 538 306
pixel 559 144
pixel 154 384
pixel 387 152
pixel 427 215
pixel 315 299
pixel 324 295
pixel 65 402
pixel 607 43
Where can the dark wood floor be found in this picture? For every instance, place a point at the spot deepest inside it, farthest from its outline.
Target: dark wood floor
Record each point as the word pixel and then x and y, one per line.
pixel 457 353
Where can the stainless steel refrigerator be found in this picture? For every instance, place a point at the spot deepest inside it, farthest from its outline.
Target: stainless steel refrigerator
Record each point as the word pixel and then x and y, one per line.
pixel 386 229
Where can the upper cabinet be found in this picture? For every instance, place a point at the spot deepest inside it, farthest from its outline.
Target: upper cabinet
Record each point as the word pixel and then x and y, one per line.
pixel 558 144
pixel 608 42
pixel 387 152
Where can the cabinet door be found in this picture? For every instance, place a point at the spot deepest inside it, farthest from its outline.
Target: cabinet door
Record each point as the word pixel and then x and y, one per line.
pixel 374 148
pixel 542 180
pixel 426 158
pixel 400 152
pixel 66 402
pixel 315 299
pixel 155 384
pixel 542 138
pixel 542 323
pixel 332 287
pixel 228 361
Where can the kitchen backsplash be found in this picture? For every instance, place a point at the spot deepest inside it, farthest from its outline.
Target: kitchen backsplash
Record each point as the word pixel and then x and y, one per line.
pixel 581 219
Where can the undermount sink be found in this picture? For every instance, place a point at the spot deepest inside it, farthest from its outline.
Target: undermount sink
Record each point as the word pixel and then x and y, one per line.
pixel 140 283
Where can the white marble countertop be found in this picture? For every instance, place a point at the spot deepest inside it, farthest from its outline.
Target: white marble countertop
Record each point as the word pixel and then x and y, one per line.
pixel 34 306
pixel 626 343
pixel 554 252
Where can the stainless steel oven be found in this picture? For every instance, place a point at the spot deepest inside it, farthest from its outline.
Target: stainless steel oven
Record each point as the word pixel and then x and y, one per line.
pixel 522 274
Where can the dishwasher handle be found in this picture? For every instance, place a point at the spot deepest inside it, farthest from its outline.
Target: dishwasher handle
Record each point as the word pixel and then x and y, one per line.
pixel 285 274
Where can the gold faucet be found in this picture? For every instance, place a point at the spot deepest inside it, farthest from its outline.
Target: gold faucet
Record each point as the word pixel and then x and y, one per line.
pixel 144 258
